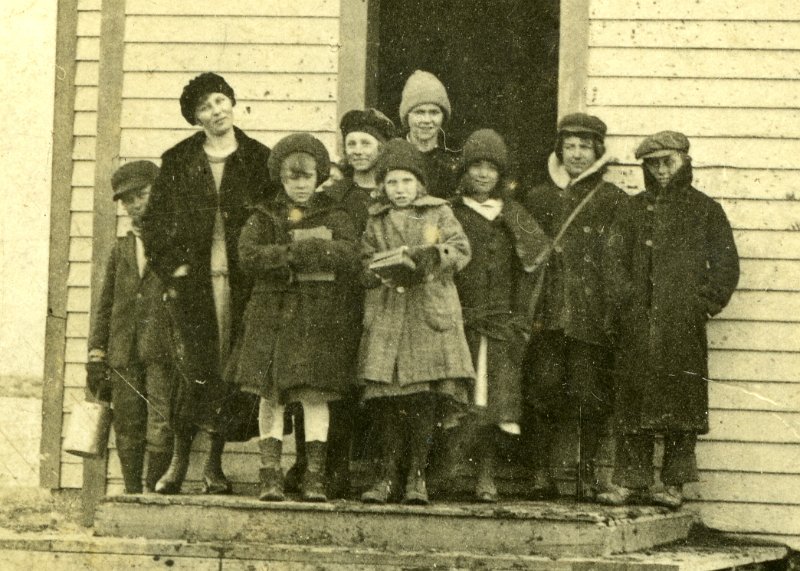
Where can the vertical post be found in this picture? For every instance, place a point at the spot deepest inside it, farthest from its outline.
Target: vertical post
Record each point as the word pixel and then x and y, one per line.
pixel 353 48
pixel 109 110
pixel 56 324
pixel 573 56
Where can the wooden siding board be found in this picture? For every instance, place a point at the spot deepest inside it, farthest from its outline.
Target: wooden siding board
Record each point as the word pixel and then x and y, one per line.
pixel 763 396
pixel 757 35
pixel 693 63
pixel 717 10
pixel 753 518
pixel 249 8
pixel 78 299
pixel 86 99
pixel 763 215
pixel 223 58
pixel 85 123
pixel 754 335
pixel 88 24
pixel 780 489
pixel 86 73
pixel 79 274
pixel 83 148
pixel 75 353
pixel 741 457
pixel 248 86
pixel 768 244
pixel 772 366
pixel 89 5
pixel 82 199
pixel 764 306
pixel 231 30
pixel 771 275
pixel 752 426
pixel 88 49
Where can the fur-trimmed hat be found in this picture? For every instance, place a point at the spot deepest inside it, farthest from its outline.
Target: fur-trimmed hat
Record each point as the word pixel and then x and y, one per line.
pixel 423 87
pixel 486 145
pixel 133 176
pixel 583 123
pixel 370 121
pixel 399 154
pixel 662 144
pixel 199 88
pixel 299 143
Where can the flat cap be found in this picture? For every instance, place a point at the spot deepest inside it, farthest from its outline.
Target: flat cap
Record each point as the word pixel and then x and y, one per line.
pixel 582 123
pixel 369 121
pixel 132 176
pixel 662 144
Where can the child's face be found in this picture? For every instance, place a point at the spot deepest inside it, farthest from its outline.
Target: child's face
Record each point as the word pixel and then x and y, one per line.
pixel 579 155
pixel 135 202
pixel 483 177
pixel 299 179
pixel 361 150
pixel 424 122
pixel 401 187
pixel 664 168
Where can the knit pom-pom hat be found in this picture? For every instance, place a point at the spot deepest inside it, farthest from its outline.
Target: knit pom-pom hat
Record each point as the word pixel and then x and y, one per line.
pixel 423 87
pixel 486 145
pixel 199 88
pixel 299 143
pixel 399 154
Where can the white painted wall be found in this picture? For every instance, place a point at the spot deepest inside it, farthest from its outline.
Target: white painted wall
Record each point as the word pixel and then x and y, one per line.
pixel 27 61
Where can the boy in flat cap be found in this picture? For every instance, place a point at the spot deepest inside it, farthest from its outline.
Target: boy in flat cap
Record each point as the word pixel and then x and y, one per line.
pixel 129 360
pixel 671 264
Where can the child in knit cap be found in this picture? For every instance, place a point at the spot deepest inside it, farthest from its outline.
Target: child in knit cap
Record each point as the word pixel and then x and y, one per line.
pixel 129 359
pixel 424 110
pixel 413 349
pixel 495 291
pixel 672 264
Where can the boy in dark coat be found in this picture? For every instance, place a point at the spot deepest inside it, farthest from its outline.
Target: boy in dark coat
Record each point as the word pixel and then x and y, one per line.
pixel 129 359
pixel 671 264
pixel 495 290
pixel 570 356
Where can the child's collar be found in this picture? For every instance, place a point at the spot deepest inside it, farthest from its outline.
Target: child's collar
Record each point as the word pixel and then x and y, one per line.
pixel 419 202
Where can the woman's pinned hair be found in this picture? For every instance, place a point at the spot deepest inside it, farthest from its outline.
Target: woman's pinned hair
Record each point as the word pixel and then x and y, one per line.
pixel 198 89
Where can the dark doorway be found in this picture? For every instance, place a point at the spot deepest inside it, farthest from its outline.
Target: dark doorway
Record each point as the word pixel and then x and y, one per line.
pixel 497 58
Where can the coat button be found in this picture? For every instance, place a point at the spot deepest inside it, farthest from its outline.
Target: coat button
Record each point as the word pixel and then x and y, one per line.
pixel 650 207
pixel 401 289
pixel 587 229
pixel 139 295
pixel 648 243
pixel 559 249
pixel 587 258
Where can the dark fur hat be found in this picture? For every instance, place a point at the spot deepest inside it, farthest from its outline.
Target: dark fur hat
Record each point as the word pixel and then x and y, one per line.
pixel 198 88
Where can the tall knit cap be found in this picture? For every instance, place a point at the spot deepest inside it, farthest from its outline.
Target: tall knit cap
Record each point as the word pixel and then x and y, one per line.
pixel 299 143
pixel 199 88
pixel 582 123
pixel 133 176
pixel 662 144
pixel 399 154
pixel 423 87
pixel 486 145
pixel 370 121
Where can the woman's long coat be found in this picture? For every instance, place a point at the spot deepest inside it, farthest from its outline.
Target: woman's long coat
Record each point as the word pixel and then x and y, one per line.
pixel 178 229
pixel 495 292
pixel 416 333
pixel 299 334
pixel 670 263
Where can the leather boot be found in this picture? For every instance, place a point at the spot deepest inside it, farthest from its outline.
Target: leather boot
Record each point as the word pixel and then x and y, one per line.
pixel 131 460
pixel 420 414
pixel 485 488
pixel 214 479
pixel 337 463
pixel 587 486
pixel 157 465
pixel 294 475
pixel 388 429
pixel 172 480
pixel 270 472
pixel 313 484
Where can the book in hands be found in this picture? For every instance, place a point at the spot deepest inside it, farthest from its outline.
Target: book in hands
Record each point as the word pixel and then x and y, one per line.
pixel 393 265
pixel 322 233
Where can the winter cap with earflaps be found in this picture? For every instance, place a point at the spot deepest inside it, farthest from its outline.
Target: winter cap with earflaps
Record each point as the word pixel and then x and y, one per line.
pixel 370 121
pixel 662 144
pixel 299 143
pixel 200 87
pixel 582 123
pixel 133 176
pixel 399 154
pixel 486 145
pixel 423 87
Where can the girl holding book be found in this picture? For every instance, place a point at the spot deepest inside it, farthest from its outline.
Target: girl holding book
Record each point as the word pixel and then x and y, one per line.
pixel 413 351
pixel 298 343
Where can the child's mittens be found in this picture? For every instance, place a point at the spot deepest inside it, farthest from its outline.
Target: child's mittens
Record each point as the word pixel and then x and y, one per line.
pixel 426 257
pixel 311 254
pixel 98 379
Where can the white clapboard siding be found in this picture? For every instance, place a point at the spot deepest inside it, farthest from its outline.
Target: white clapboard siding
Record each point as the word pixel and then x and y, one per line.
pixel 725 73
pixel 249 8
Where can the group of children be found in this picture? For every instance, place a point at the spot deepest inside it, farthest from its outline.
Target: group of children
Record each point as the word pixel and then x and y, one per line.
pixel 432 309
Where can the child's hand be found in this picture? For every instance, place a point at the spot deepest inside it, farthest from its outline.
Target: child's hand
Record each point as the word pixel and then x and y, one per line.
pixel 98 379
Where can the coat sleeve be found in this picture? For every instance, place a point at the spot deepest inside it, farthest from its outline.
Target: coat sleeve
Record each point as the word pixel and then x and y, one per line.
pixel 259 254
pixel 338 254
pixel 722 273
pixel 369 247
pixel 453 244
pixel 101 320
pixel 159 224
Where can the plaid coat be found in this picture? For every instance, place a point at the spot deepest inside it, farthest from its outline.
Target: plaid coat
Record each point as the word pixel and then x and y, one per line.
pixel 417 332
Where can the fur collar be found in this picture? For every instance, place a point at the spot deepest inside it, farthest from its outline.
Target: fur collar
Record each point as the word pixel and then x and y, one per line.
pixel 424 201
pixel 559 174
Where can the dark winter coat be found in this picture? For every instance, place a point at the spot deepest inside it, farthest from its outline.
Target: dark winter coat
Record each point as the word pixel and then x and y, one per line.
pixel 443 168
pixel 416 332
pixel 178 229
pixel 130 323
pixel 299 334
pixel 572 298
pixel 495 292
pixel 671 262
pixel 353 199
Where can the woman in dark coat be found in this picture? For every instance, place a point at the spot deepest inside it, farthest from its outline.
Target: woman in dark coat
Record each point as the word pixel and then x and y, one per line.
pixel 198 206
pixel 495 290
pixel 570 356
pixel 671 263
pixel 301 325
pixel 424 110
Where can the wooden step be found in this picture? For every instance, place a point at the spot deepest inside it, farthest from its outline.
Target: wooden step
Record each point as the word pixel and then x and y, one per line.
pixel 551 529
